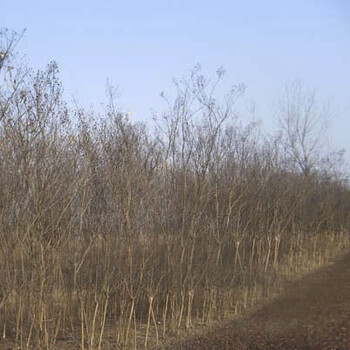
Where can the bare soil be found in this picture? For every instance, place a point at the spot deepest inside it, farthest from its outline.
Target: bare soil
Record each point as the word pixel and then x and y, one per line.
pixel 312 313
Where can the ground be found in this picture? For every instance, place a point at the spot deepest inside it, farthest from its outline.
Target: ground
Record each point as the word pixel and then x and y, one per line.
pixel 313 313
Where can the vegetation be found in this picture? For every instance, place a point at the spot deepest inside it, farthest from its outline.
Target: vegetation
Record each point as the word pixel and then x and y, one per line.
pixel 115 235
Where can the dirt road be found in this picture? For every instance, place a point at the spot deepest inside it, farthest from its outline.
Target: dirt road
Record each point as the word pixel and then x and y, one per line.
pixel 313 313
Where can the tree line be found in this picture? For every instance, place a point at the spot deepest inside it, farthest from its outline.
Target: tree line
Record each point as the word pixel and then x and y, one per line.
pixel 114 233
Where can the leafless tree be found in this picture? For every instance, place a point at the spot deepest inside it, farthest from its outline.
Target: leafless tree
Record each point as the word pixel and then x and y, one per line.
pixel 117 235
pixel 303 125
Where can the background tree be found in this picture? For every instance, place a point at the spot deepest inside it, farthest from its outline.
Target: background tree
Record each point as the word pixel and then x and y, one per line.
pixel 302 124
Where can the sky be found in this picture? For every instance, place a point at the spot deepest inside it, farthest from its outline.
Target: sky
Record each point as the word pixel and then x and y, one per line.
pixel 139 46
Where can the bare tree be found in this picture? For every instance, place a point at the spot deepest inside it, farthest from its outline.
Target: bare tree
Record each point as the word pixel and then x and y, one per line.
pixel 8 41
pixel 109 231
pixel 302 124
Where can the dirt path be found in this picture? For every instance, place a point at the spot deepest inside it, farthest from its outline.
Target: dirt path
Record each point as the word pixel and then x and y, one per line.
pixel 313 313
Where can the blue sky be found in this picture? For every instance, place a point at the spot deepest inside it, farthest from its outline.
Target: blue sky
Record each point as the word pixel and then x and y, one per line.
pixel 141 45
